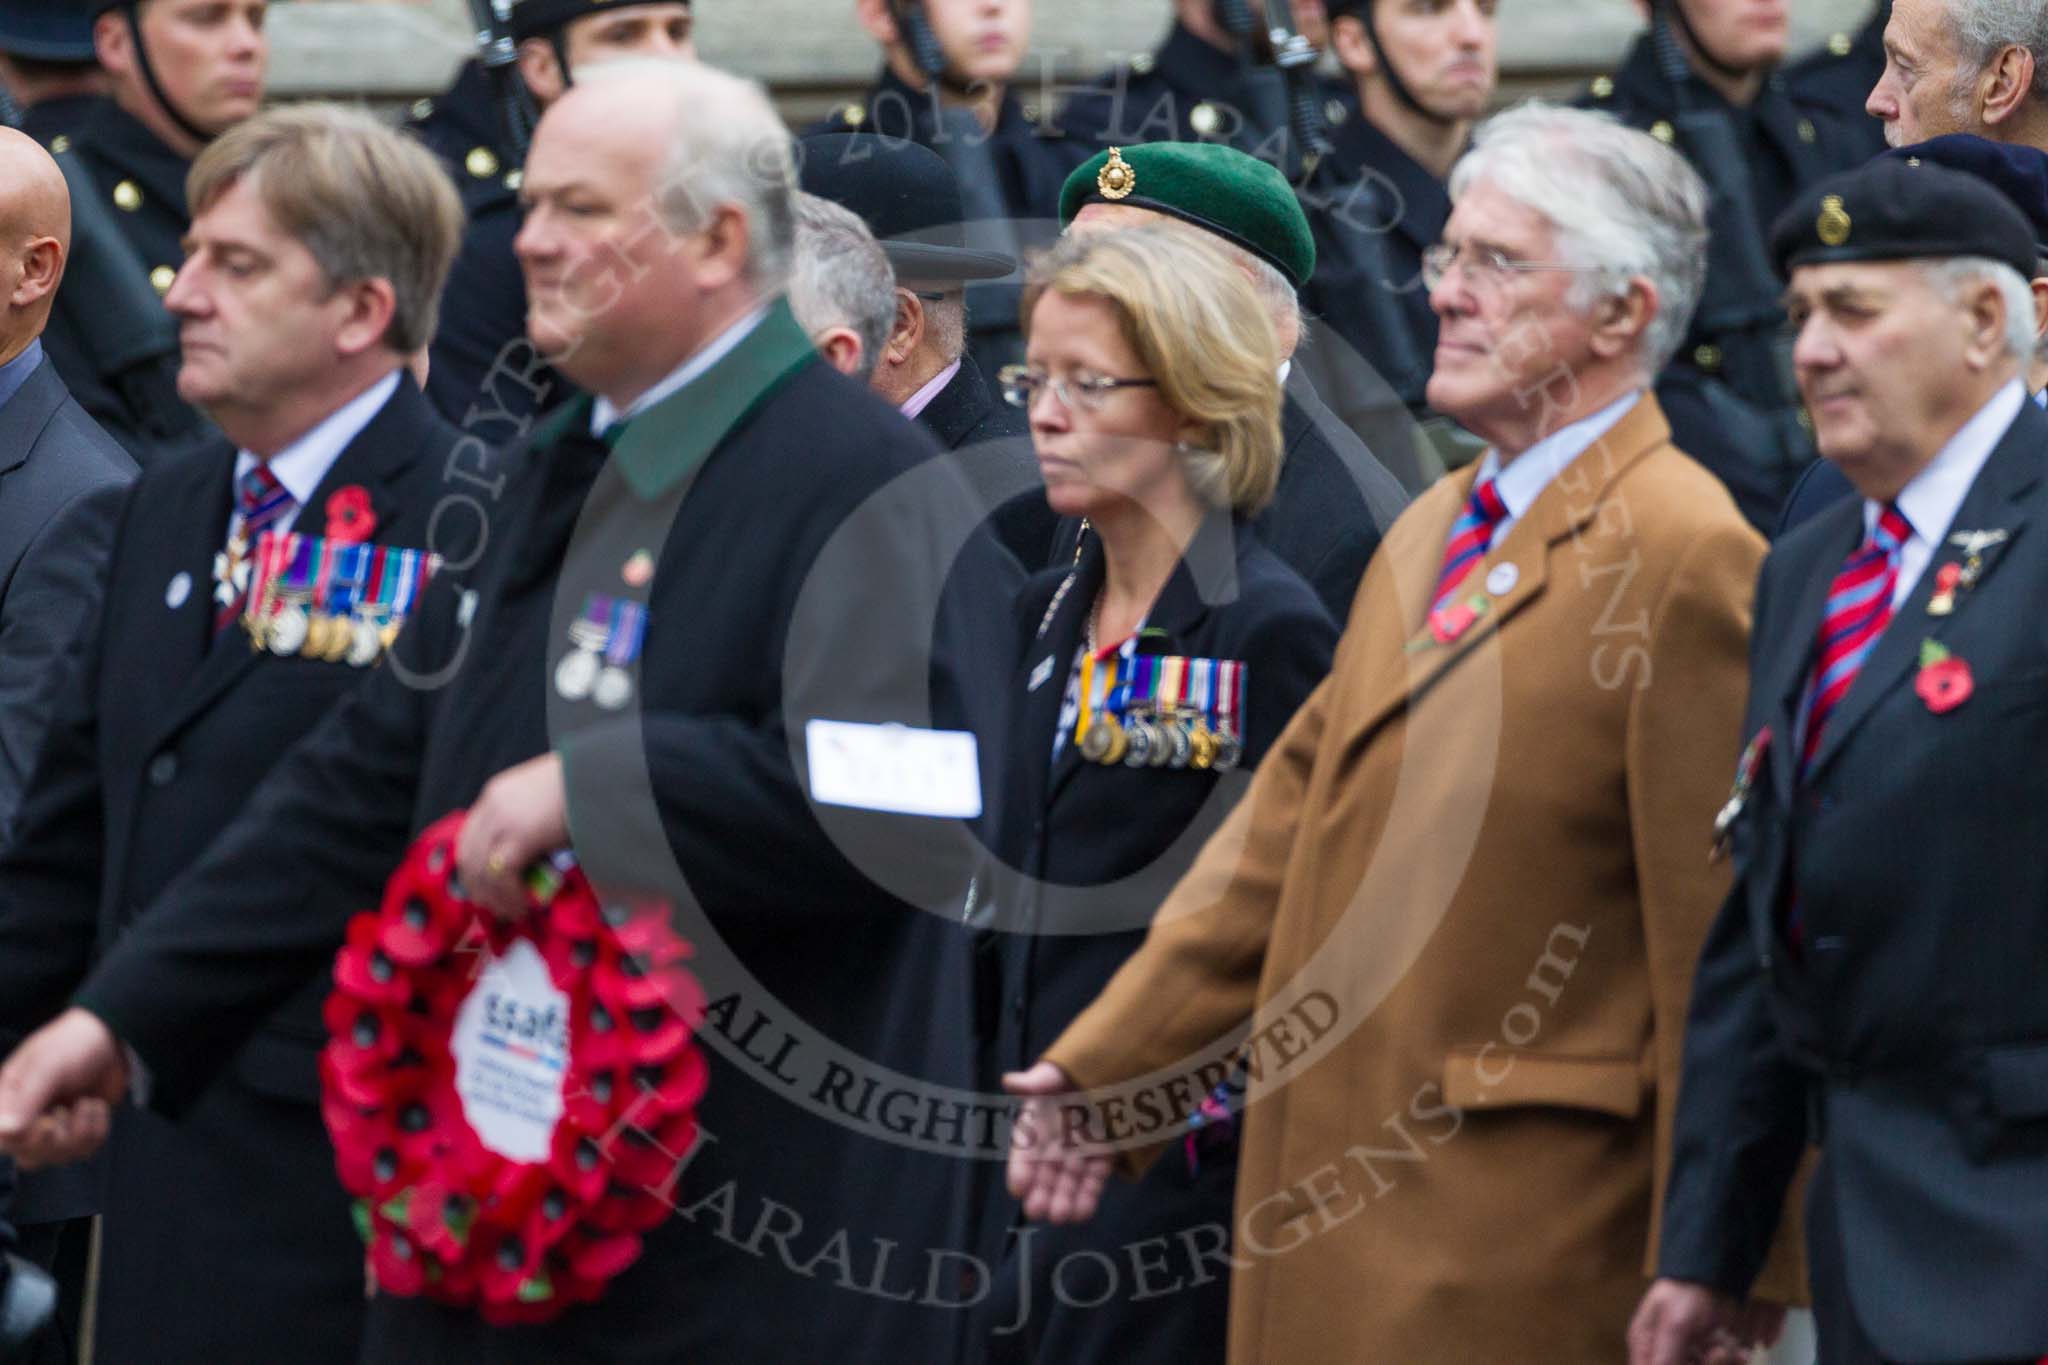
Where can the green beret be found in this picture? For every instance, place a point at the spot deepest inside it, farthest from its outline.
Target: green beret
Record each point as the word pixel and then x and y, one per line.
pixel 1220 189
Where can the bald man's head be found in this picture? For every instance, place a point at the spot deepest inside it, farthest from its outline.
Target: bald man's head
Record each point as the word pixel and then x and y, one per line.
pixel 35 238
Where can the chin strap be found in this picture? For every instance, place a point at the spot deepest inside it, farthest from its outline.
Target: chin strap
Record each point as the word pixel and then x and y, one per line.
pixel 1388 70
pixel 132 10
pixel 1705 54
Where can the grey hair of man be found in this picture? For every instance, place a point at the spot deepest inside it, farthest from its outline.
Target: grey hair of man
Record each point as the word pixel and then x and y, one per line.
pixel 729 147
pixel 840 278
pixel 1953 275
pixel 1984 28
pixel 945 318
pixel 1615 199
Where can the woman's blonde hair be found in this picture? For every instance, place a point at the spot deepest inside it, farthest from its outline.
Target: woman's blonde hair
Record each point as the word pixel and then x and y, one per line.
pixel 1203 334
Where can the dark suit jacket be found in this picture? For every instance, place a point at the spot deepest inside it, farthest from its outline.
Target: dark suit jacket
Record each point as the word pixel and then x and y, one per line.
pixel 771 604
pixel 1088 852
pixel 157 741
pixel 1913 1017
pixel 993 441
pixel 61 482
pixel 1333 502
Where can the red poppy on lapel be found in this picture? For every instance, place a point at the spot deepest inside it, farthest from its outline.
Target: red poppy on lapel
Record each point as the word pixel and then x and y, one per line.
pixel 350 518
pixel 1944 681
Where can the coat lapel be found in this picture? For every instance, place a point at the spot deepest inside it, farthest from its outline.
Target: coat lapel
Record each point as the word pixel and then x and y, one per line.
pixel 374 459
pixel 1413 560
pixel 1995 501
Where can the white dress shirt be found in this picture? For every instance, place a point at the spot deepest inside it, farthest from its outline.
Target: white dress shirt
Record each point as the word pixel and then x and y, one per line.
pixel 1529 473
pixel 604 412
pixel 1930 502
pixel 301 465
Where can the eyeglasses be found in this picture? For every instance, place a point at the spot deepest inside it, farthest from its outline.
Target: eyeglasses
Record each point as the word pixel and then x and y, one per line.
pixel 1486 267
pixel 1082 393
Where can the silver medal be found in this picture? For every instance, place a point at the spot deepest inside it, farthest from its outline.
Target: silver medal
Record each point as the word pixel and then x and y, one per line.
pixel 287 631
pixel 614 688
pixel 576 674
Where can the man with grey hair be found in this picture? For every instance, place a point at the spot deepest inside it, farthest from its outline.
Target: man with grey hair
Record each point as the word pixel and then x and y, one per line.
pixel 697 568
pixel 1872 985
pixel 1964 66
pixel 1471 871
pixel 318 247
pixel 841 289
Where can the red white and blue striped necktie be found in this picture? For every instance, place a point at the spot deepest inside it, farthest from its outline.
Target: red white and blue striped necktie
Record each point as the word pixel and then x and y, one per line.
pixel 1471 537
pixel 1859 607
pixel 261 501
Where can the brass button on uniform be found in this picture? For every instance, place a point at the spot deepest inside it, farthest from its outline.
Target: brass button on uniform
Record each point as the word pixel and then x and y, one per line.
pixel 1335 112
pixel 1205 118
pixel 1839 44
pixel 853 116
pixel 422 109
pixel 1707 356
pixel 1603 87
pixel 60 144
pixel 481 162
pixel 514 178
pixel 1141 65
pixel 1030 112
pixel 1806 130
pixel 160 279
pixel 1662 132
pixel 128 196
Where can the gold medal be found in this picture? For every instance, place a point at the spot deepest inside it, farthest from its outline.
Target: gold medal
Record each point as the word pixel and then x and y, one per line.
pixel 1119 741
pixel 340 638
pixel 1201 746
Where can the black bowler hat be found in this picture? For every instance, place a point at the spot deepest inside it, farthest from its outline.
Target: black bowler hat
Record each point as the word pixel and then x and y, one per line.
pixel 1892 209
pixel 2018 172
pixel 909 198
pixel 43 32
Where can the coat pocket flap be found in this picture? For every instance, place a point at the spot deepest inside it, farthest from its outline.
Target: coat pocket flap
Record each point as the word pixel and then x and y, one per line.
pixel 2017 1079
pixel 1494 1077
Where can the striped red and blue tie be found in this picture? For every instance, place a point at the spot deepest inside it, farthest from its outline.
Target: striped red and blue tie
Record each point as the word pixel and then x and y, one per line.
pixel 1471 536
pixel 261 501
pixel 1859 607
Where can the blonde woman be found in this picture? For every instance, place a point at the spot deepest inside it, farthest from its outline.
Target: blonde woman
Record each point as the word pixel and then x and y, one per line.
pixel 1155 672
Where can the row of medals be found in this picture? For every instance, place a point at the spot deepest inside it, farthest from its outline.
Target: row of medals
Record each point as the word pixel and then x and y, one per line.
pixel 1148 740
pixel 296 629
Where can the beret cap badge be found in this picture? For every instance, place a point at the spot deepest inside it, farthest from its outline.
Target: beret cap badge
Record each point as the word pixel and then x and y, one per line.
pixel 1832 226
pixel 1117 179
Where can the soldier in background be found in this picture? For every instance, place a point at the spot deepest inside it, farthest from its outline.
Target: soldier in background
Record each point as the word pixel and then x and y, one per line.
pixel 948 80
pixel 1840 75
pixel 486 301
pixel 1185 89
pixel 1704 79
pixel 1422 73
pixel 48 67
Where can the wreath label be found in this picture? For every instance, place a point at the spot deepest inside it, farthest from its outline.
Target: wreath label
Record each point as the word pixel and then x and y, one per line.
pixel 511 1103
pixel 511 1049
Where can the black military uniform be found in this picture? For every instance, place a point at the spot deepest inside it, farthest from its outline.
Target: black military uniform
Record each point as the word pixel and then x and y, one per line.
pixel 54 33
pixel 1089 850
pixel 1727 392
pixel 1185 91
pixel 483 309
pixel 736 485
pixel 1873 983
pixel 1840 76
pixel 163 734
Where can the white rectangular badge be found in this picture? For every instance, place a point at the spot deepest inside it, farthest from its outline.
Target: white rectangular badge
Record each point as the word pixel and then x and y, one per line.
pixel 894 768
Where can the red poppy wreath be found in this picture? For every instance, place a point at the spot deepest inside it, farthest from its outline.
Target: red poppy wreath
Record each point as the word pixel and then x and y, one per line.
pixel 509 1102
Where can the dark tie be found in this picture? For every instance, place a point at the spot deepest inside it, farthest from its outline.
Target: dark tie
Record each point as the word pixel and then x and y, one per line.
pixel 1471 535
pixel 260 502
pixel 1859 607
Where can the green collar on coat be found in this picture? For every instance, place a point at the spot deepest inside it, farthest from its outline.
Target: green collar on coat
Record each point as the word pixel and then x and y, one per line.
pixel 666 443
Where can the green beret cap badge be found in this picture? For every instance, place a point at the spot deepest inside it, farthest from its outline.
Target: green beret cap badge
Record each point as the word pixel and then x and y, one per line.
pixel 1117 179
pixel 1832 227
